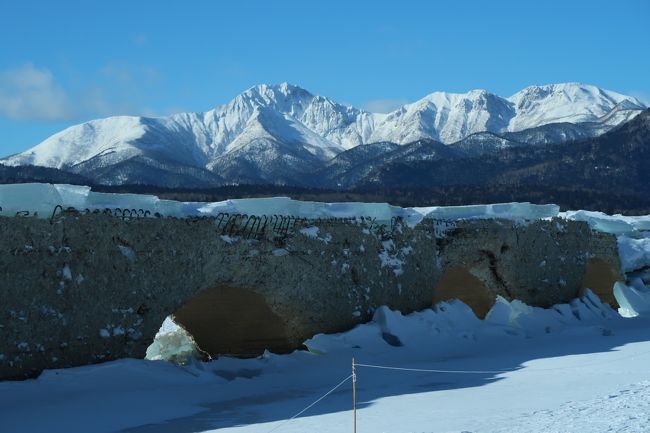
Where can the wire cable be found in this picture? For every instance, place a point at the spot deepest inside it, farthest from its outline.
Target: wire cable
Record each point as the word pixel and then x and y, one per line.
pixel 311 405
pixel 426 370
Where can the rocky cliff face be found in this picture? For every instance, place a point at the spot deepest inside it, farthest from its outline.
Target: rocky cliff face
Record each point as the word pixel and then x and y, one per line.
pixel 83 289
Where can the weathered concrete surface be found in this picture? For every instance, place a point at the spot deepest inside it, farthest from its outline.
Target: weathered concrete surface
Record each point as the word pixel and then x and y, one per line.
pixel 600 277
pixel 542 263
pixel 91 288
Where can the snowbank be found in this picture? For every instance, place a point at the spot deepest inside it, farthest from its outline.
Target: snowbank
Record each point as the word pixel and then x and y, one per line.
pixel 537 321
pixel 431 328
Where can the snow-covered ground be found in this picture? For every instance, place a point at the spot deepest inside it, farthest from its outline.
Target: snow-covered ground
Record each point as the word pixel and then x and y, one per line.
pixel 578 367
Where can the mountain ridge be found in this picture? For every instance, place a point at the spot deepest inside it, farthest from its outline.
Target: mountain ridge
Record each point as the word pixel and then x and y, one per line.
pixel 276 133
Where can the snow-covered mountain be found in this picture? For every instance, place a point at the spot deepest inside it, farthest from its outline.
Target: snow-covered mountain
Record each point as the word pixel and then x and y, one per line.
pixel 269 133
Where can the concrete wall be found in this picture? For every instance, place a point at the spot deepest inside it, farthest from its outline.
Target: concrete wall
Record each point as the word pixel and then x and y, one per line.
pixel 89 288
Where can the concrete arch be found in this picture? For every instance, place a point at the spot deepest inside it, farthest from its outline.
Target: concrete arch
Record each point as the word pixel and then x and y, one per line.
pixel 600 278
pixel 226 320
pixel 458 283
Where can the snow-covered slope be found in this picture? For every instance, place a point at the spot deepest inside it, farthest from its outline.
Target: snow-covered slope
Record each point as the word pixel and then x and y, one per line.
pixel 79 143
pixel 269 129
pixel 450 117
pixel 446 117
pixel 569 102
pixel 262 115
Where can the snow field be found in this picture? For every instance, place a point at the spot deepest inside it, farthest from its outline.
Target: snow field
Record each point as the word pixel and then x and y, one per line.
pixel 551 361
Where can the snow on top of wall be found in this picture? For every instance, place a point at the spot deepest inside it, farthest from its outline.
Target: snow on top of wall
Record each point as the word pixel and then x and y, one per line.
pixel 40 199
pixel 615 224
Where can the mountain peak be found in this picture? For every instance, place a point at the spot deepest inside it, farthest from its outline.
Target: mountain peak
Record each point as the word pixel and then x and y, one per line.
pixel 478 93
pixel 440 98
pixel 285 89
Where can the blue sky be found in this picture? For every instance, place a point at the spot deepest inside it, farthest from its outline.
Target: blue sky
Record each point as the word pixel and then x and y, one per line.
pixel 63 62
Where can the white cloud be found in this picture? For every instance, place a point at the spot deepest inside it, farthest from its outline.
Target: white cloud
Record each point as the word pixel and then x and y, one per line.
pixel 117 72
pixel 32 93
pixel 383 105
pixel 140 40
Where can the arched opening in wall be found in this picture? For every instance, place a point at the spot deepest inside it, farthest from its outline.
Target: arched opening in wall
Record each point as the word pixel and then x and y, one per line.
pixel 231 321
pixel 459 283
pixel 600 278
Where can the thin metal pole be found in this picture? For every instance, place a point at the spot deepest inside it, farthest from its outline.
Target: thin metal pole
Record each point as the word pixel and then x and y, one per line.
pixel 354 395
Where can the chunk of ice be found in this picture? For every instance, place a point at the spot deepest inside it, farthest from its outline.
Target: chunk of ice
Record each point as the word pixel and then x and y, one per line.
pixel 634 253
pixel 33 197
pixel 601 222
pixel 524 211
pixel 633 301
